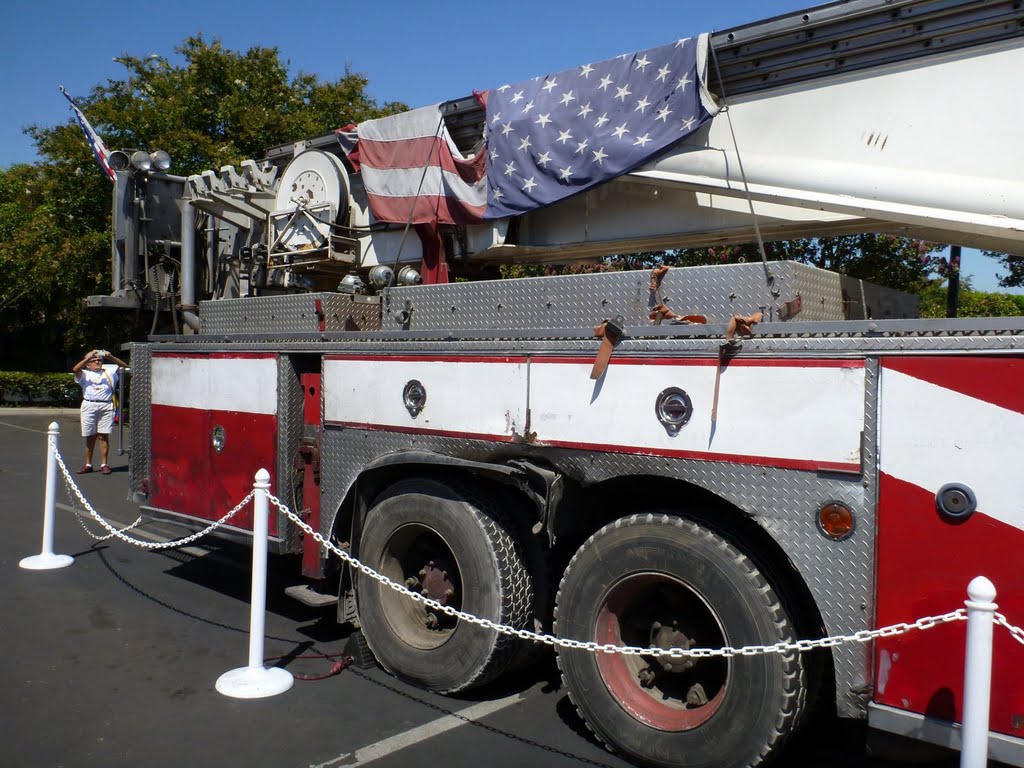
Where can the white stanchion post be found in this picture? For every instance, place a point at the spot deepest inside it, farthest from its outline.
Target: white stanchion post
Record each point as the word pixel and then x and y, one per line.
pixel 46 559
pixel 977 672
pixel 256 681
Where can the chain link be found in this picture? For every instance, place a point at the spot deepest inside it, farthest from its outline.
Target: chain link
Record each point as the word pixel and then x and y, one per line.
pixel 862 636
pixel 92 535
pixel 1015 632
pixel 73 487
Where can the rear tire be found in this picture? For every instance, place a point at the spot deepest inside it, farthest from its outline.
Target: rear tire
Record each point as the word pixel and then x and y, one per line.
pixel 660 580
pixel 454 545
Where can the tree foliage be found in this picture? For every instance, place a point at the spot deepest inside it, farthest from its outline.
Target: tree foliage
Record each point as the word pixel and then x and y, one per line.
pixel 207 107
pixel 971 303
pixel 53 252
pixel 216 108
pixel 1014 266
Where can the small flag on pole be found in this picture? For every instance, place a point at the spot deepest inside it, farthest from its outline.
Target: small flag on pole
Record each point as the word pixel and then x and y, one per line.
pixel 98 147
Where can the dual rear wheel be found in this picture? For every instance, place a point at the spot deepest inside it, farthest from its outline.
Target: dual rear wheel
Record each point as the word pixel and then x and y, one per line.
pixel 656 580
pixel 653 581
pixel 453 544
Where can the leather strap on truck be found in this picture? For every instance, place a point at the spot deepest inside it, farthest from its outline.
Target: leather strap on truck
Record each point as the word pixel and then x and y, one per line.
pixel 609 332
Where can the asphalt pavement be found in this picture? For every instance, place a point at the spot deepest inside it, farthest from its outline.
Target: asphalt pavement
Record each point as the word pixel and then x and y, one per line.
pixel 112 661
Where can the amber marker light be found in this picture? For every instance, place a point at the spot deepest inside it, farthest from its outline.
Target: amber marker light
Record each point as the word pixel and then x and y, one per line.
pixel 835 520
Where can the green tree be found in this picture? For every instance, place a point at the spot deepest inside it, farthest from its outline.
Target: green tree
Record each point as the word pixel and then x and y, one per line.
pixel 971 303
pixel 53 252
pixel 1014 266
pixel 209 107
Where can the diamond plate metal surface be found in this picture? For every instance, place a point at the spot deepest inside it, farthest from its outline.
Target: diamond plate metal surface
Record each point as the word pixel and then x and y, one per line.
pixel 567 301
pixel 289 314
pixel 139 418
pixel 289 430
pixel 866 300
pixel 784 502
pixel 820 292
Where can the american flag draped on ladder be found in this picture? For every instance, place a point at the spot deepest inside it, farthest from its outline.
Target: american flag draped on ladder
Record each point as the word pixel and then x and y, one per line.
pixel 412 168
pixel 98 147
pixel 554 136
pixel 547 138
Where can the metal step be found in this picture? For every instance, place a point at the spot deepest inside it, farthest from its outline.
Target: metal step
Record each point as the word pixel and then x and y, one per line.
pixel 306 595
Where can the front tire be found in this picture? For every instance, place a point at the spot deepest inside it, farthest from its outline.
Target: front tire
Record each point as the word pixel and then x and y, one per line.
pixel 454 545
pixel 657 580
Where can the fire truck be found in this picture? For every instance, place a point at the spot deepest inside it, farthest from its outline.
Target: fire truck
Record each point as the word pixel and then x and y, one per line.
pixel 662 481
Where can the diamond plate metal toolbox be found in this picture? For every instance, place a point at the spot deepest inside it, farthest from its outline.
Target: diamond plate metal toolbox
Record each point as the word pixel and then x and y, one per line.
pixel 795 292
pixel 298 313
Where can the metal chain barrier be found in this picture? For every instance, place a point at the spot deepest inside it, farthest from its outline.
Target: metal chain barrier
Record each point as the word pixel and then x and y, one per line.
pixel 73 487
pixel 862 636
pixel 1015 632
pixel 80 518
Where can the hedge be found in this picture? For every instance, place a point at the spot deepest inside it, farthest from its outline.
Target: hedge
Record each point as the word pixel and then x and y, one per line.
pixel 26 389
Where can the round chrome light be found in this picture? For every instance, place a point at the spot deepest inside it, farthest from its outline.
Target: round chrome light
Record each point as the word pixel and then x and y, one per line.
pixel 161 160
pixel 351 283
pixel 119 160
pixel 142 161
pixel 381 276
pixel 409 276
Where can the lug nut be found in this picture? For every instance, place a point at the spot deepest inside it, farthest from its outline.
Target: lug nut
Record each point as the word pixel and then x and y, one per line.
pixel 696 696
pixel 646 677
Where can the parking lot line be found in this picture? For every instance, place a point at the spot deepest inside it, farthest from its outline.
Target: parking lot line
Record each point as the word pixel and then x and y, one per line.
pixel 385 747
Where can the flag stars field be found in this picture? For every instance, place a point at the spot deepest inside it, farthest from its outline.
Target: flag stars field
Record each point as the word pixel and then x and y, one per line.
pixel 631 107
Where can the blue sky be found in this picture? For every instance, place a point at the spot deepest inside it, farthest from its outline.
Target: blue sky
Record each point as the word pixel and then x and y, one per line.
pixel 411 51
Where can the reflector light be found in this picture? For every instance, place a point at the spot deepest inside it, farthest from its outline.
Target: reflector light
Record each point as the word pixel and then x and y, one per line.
pixel 835 520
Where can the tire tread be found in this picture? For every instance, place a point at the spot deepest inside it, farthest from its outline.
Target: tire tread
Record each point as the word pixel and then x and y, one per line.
pixel 794 682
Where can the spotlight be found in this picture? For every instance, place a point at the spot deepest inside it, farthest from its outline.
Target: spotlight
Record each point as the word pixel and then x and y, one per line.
pixel 119 160
pixel 381 276
pixel 409 276
pixel 161 160
pixel 142 161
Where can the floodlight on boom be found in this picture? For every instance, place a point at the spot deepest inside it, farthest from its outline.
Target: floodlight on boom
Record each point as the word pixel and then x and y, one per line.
pixel 119 160
pixel 142 161
pixel 161 160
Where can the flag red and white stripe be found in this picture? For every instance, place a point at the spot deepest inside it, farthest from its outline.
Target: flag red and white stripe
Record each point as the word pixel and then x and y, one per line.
pixel 413 171
pixel 99 149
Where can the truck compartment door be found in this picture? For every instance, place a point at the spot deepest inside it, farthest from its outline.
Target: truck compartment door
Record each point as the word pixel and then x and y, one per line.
pixel 214 424
pixel 949 421
pixel 457 396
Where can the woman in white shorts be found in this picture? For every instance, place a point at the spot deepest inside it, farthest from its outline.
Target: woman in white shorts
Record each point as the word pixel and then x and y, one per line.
pixel 97 412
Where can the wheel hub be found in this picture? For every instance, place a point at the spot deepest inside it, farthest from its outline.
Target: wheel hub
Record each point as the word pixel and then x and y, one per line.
pixel 419 558
pixel 659 611
pixel 665 637
pixel 434 582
